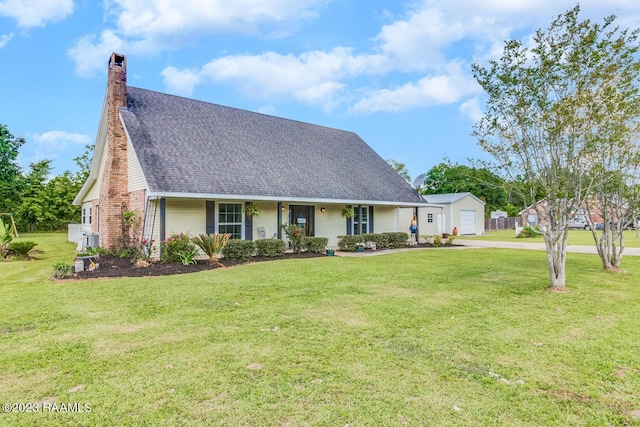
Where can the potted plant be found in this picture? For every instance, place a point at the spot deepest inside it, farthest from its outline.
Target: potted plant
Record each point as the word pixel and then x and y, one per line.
pixel 360 247
pixel 347 212
pixel 252 210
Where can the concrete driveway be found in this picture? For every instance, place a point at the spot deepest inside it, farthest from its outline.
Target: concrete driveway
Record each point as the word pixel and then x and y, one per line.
pixel 472 243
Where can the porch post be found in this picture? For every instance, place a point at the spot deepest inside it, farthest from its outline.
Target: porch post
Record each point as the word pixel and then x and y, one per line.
pixel 279 219
pixel 415 212
pixel 163 222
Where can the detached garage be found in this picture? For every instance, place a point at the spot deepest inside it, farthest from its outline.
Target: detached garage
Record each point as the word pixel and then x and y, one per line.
pixel 463 211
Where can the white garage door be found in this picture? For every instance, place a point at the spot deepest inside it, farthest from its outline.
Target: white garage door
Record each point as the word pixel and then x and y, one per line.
pixel 467 222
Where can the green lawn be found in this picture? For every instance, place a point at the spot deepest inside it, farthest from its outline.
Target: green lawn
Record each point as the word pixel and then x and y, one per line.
pixel 576 237
pixel 424 337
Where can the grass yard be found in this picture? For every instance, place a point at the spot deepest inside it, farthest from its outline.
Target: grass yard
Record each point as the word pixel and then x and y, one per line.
pixel 576 237
pixel 424 337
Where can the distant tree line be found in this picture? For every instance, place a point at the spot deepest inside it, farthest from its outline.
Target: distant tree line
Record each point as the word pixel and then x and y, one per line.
pixel 498 193
pixel 38 201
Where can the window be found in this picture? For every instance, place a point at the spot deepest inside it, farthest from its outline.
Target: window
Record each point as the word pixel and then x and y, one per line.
pixel 365 220
pixel 429 217
pixel 84 215
pixel 230 219
pixel 89 215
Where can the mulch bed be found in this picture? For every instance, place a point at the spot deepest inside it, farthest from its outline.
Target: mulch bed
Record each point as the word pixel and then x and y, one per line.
pixel 113 266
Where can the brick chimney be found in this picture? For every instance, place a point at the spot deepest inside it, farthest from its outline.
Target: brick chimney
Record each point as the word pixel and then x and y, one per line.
pixel 114 197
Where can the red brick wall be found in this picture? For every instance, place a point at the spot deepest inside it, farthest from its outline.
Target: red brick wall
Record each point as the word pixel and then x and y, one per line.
pixel 137 202
pixel 114 197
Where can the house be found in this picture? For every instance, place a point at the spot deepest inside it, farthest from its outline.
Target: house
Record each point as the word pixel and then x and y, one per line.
pixel 165 164
pixel 444 212
pixel 529 215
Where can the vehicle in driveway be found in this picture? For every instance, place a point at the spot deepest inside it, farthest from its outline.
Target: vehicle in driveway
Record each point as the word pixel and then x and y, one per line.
pixel 579 223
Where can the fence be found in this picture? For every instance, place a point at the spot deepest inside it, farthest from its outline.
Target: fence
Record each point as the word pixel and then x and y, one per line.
pixel 494 224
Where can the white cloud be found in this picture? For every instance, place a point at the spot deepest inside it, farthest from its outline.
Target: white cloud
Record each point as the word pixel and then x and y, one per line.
pixel 4 39
pixel 472 109
pixel 180 82
pixel 430 48
pixel 36 13
pixel 313 78
pixel 51 145
pixel 151 26
pixel 416 42
pixel 148 18
pixel 56 140
pixel 440 89
pixel 91 55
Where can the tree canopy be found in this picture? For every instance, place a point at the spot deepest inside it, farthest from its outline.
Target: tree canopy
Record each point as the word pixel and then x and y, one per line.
pixel 10 173
pixel 38 200
pixel 481 182
pixel 554 109
pixel 401 168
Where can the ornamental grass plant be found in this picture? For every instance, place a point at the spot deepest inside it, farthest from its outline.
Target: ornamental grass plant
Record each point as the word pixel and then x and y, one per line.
pixel 211 244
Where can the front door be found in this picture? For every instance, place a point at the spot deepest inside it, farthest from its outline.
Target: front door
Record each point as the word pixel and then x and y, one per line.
pixel 303 215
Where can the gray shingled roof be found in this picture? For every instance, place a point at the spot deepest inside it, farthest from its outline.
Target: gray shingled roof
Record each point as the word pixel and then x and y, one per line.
pixel 439 199
pixel 189 146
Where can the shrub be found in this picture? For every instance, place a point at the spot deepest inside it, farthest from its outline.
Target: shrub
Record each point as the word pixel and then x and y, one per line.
pixel 316 245
pixel 131 252
pixel 22 249
pixel 62 270
pixel 437 241
pixel 380 240
pixel 270 247
pixel 529 232
pixel 188 256
pixel 349 243
pixel 90 250
pixel 397 239
pixel 211 244
pixel 147 249
pixel 295 234
pixel 238 250
pixel 175 244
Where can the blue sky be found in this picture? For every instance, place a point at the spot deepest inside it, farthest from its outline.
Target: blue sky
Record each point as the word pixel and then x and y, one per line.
pixel 396 73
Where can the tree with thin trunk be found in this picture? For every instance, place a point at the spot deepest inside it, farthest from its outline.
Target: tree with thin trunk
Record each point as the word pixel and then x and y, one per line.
pixel 401 168
pixel 616 198
pixel 549 112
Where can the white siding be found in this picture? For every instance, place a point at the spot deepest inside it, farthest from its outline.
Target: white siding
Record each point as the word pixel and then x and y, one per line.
pixel 267 219
pixel 389 219
pixel 186 216
pixel 330 223
pixel 135 177
pixel 189 216
pixel 94 192
pixel 426 228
